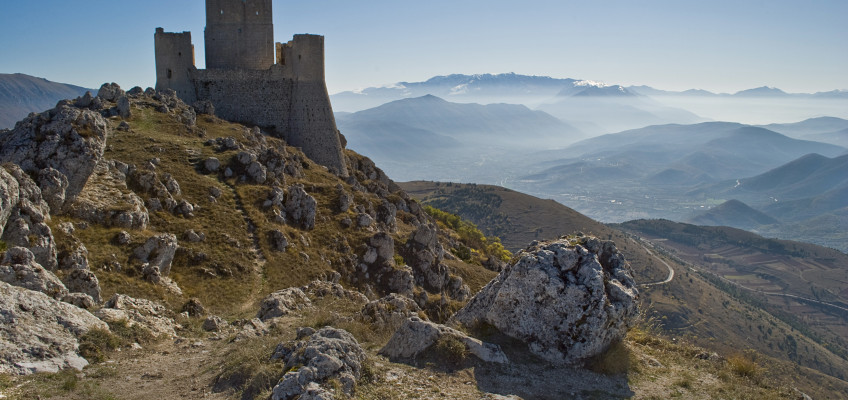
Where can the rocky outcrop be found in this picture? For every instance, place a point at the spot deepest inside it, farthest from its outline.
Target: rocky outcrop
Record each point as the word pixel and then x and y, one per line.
pixel 317 357
pixel 378 266
pixel 425 254
pixel 416 336
pixel 106 199
pixel 300 207
pixel 568 299
pixel 83 281
pixel 283 302
pixel 321 289
pixel 158 251
pixel 19 268
pixel 145 313
pixel 111 92
pixel 40 334
pixel 391 310
pixel 67 139
pixel 25 222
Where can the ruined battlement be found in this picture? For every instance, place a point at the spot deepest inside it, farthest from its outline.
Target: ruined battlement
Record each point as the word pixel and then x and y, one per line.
pixel 279 87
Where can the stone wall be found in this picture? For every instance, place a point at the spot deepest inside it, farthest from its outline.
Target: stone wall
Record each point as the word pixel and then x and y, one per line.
pixel 175 63
pixel 239 34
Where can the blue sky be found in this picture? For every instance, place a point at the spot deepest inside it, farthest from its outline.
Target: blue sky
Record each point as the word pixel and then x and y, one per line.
pixel 722 46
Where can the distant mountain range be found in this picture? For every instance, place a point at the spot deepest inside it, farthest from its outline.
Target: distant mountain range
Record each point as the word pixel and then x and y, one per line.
pixel 429 127
pixel 524 89
pixel 22 94
pixel 733 213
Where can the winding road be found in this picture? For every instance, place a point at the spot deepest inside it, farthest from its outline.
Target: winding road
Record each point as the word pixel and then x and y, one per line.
pixel 670 270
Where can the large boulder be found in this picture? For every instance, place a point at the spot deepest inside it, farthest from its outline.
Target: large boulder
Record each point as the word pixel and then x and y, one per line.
pixel 40 334
pixel 327 354
pixel 568 299
pixel 416 336
pixel 19 268
pixel 67 139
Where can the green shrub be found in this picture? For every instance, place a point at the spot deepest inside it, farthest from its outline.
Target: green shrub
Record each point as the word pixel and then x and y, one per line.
pixel 451 350
pixel 95 343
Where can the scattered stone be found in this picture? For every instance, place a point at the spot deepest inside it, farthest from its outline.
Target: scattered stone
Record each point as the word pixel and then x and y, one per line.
pixel 124 126
pixel 158 251
pixel 193 237
pixel 416 336
pixel 327 354
pixel 123 105
pixel 364 220
pixel 568 299
pixel 123 238
pixel 214 323
pixel 278 240
pixel 45 332
pixel 321 289
pixel 391 310
pixel 212 165
pixel 283 302
pixel 80 300
pixel 194 308
pixel 301 207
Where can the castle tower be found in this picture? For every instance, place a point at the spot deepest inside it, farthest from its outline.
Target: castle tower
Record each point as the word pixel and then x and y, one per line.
pixel 174 63
pixel 239 34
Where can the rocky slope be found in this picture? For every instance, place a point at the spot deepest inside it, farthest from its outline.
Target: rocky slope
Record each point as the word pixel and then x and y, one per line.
pixel 205 259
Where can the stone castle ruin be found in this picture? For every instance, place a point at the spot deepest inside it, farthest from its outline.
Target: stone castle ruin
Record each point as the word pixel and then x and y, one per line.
pixel 250 79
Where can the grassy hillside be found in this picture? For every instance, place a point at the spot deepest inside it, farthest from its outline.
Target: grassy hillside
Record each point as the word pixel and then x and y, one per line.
pixel 796 287
pixel 694 306
pixel 235 266
pixel 518 219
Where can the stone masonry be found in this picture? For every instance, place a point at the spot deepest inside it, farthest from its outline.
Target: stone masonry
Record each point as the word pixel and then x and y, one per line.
pixel 285 95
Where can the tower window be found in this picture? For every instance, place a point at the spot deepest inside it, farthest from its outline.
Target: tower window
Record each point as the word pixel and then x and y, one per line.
pixel 222 12
pixel 169 74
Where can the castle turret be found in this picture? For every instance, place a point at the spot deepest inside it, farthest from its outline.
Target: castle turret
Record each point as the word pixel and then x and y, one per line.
pixel 174 63
pixel 239 34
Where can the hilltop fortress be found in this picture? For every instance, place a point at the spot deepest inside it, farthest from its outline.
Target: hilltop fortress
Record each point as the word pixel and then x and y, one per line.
pixel 250 79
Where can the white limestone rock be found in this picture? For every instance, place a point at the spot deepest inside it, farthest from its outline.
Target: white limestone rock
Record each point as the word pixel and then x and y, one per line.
pixel 148 314
pixel 19 268
pixel 158 251
pixel 390 310
pixel 416 336
pixel 83 281
pixel 300 207
pixel 568 299
pixel 329 353
pixel 67 139
pixel 40 334
pixel 283 302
